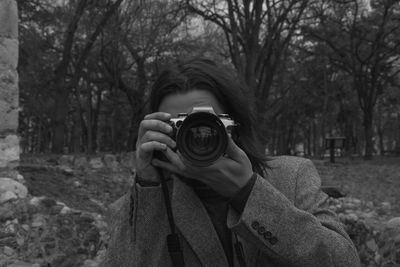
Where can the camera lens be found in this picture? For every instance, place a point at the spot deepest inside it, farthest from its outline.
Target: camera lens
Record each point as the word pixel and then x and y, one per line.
pixel 202 138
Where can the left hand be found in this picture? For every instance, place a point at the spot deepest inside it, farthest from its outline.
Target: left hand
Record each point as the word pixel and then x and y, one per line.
pixel 226 176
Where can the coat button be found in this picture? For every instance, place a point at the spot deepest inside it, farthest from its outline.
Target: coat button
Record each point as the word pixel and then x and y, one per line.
pixel 255 225
pixel 261 230
pixel 273 240
pixel 267 235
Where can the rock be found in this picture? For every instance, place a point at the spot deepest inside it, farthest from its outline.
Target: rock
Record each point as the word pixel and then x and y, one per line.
pixel 96 163
pixel 20 178
pixel 392 228
pixel 38 221
pixel 393 223
pixel 66 170
pixel 6 213
pixel 35 201
pixel 90 263
pixel 371 244
pixel 80 162
pixel 9 147
pixel 8 251
pixel 128 160
pixel 10 185
pixel 66 160
pixel 23 264
pixel 348 217
pixel 7 196
pixel 110 161
pixel 25 227
pixel 65 210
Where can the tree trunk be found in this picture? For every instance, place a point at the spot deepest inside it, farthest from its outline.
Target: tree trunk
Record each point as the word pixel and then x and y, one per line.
pixel 61 112
pixel 89 144
pixel 368 132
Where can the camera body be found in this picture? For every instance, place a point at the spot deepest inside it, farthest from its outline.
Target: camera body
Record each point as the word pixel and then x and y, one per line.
pixel 202 135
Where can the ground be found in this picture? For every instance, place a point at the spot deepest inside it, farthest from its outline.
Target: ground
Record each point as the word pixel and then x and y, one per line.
pixel 377 180
pixel 372 189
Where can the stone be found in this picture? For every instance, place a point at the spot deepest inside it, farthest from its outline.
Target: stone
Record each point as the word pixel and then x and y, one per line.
pixel 80 162
pixel 36 201
pixel 90 263
pixel 25 227
pixel 110 161
pixel 9 150
pixel 8 19
pixel 23 264
pixel 371 244
pixel 20 178
pixel 7 184
pixel 393 226
pixel 66 170
pixel 6 213
pixel 96 163
pixel 6 196
pixel 9 53
pixel 65 210
pixel 38 221
pixel 8 251
pixel 66 160
pixel 128 160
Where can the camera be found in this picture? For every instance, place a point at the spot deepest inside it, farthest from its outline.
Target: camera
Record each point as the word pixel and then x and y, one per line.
pixel 202 135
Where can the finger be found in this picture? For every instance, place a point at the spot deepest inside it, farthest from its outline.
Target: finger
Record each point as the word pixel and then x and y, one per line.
pixel 234 152
pixel 163 116
pixel 165 165
pixel 149 147
pixel 174 159
pixel 153 125
pixel 159 137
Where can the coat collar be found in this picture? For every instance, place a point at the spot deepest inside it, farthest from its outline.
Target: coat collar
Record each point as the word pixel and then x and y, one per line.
pixel 192 220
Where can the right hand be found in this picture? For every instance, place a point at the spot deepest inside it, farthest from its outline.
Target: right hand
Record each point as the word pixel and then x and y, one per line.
pixel 154 135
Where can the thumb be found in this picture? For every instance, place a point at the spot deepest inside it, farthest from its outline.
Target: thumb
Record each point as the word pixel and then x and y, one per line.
pixel 234 152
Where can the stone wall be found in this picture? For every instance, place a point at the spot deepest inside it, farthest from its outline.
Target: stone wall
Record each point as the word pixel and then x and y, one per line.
pixel 9 141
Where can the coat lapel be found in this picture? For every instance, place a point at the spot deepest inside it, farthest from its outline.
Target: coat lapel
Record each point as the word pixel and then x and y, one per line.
pixel 193 222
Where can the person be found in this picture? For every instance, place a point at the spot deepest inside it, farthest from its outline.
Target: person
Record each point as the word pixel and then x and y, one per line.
pixel 245 209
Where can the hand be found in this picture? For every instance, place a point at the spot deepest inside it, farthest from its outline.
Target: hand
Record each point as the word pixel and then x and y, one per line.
pixel 153 136
pixel 226 176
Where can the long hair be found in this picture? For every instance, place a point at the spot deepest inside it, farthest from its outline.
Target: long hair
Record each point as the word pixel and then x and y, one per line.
pixel 231 93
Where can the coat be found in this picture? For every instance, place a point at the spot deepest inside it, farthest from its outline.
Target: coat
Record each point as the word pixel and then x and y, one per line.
pixel 285 222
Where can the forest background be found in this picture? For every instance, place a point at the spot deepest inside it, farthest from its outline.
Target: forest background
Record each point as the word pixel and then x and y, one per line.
pixel 316 69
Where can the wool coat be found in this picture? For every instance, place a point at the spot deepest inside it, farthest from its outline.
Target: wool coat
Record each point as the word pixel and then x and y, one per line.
pixel 285 222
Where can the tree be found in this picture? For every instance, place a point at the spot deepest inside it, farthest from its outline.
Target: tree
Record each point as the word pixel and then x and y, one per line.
pixel 257 34
pixel 61 84
pixel 364 42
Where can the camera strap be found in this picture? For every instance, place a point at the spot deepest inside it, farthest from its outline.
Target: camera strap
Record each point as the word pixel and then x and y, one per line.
pixel 173 243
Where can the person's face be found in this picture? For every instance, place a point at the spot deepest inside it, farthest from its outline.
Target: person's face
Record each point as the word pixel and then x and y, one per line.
pixel 184 102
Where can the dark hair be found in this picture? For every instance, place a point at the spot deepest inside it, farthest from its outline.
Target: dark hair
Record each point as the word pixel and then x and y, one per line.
pixel 231 93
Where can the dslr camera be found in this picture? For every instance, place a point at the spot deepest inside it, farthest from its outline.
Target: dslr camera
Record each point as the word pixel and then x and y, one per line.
pixel 202 135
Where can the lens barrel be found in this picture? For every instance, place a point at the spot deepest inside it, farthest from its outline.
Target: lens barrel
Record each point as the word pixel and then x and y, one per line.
pixel 202 138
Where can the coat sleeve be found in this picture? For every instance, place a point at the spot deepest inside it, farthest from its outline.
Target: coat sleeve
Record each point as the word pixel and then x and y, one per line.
pixel 302 232
pixel 134 218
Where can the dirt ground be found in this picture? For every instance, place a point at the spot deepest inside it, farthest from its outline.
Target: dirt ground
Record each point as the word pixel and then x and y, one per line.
pixel 377 180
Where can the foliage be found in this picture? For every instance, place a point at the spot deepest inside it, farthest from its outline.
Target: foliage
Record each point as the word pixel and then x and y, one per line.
pixel 86 68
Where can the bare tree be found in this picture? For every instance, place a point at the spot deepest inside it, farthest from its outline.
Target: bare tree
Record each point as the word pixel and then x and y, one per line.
pixel 364 42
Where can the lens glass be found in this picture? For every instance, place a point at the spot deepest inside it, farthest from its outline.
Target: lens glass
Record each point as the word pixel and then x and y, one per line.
pixel 202 140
